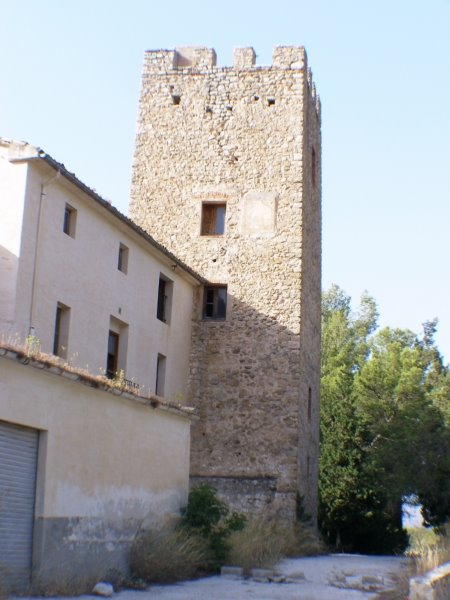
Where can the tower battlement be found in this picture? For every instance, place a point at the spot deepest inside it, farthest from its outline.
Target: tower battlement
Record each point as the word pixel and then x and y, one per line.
pixel 202 60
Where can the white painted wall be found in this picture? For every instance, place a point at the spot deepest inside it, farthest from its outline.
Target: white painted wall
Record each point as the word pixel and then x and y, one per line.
pixel 41 266
pixel 102 455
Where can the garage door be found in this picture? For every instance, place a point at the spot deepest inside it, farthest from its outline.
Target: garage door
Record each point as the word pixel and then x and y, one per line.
pixel 18 454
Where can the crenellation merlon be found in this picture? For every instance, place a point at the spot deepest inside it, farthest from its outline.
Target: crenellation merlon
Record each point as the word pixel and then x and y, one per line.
pixel 203 59
pixel 289 57
pixel 195 57
pixel 244 58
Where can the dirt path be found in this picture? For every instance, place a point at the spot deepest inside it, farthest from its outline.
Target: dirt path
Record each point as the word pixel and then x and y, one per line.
pixel 332 577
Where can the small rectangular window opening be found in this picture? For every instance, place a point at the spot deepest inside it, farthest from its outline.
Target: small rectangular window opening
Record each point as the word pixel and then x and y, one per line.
pixel 309 403
pixel 313 167
pixel 165 292
pixel 70 219
pixel 122 263
pixel 160 375
pixel 215 302
pixel 61 335
pixel 113 354
pixel 116 356
pixel 213 218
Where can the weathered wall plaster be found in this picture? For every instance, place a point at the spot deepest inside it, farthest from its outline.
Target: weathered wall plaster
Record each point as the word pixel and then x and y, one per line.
pixel 107 466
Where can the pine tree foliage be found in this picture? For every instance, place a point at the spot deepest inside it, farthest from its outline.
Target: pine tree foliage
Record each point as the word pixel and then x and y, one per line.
pixel 384 427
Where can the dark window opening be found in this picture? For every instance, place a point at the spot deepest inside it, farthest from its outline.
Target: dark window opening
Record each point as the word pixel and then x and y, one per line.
pixel 313 167
pixel 60 338
pixel 270 101
pixel 70 216
pixel 215 302
pixel 122 262
pixel 176 99
pixel 309 403
pixel 113 354
pixel 213 218
pixel 57 330
pixel 162 301
pixel 160 375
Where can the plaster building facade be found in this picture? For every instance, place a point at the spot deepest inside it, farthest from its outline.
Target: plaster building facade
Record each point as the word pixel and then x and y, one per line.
pixel 227 175
pixel 86 282
pixel 82 468
pixel 83 464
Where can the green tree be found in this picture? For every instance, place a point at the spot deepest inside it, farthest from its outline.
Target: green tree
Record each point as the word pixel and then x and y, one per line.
pixel 399 392
pixel 384 434
pixel 351 509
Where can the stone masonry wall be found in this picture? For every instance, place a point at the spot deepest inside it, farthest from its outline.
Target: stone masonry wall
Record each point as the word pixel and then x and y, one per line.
pixel 249 137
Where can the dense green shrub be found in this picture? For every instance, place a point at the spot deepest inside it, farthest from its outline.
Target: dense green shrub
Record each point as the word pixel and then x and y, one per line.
pixel 210 517
pixel 199 542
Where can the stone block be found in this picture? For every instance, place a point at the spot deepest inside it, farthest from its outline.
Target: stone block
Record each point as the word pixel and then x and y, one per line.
pixel 232 572
pixel 262 575
pixel 244 58
pixel 103 589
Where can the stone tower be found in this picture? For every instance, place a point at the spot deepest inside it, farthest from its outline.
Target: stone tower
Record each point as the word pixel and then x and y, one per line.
pixel 227 175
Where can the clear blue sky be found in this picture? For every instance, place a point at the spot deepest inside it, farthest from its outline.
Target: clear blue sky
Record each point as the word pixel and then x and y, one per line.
pixel 69 82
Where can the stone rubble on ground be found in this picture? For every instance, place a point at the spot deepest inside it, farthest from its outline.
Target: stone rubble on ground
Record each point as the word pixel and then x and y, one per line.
pixel 232 572
pixel 368 583
pixel 103 589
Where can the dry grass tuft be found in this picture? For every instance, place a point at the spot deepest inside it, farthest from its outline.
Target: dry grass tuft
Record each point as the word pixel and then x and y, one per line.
pixel 263 542
pixel 69 586
pixel 30 352
pixel 167 555
pixel 429 550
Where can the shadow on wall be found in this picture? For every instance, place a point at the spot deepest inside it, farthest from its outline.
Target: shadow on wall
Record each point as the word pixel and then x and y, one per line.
pixel 8 278
pixel 255 385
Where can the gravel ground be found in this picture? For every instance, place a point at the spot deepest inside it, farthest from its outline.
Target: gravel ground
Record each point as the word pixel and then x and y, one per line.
pixel 331 577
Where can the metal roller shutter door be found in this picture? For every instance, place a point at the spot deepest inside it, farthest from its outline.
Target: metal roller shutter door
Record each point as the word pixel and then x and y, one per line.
pixel 18 455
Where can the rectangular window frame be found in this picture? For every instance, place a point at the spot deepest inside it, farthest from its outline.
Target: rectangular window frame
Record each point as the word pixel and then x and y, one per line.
pixel 313 167
pixel 70 220
pixel 116 362
pixel 309 403
pixel 122 259
pixel 160 383
pixel 212 219
pixel 112 356
pixel 164 299
pixel 213 309
pixel 61 331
